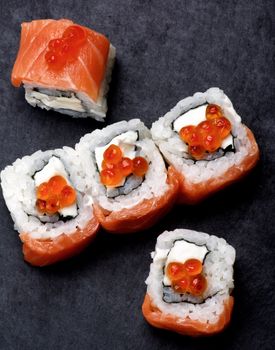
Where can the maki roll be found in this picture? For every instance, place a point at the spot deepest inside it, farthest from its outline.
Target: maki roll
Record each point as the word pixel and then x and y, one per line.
pixel 128 180
pixel 190 283
pixel 65 67
pixel 45 195
pixel 204 139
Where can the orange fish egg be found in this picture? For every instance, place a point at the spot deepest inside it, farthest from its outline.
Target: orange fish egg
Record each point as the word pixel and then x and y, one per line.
pixel 52 205
pixel 182 285
pixel 140 166
pixel 175 271
pixel 56 184
pixel 126 166
pixel 41 205
pixel 197 152
pixel 55 59
pixel 198 285
pixel 76 35
pixel 111 177
pixel 193 267
pixel 67 196
pixel 65 49
pixel 213 111
pixel 223 126
pixel 211 142
pixel 105 165
pixel 112 154
pixel 186 133
pixel 55 44
pixel 43 191
pixel 205 127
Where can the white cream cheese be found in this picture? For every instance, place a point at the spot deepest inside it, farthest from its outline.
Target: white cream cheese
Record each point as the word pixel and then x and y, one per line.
pixel 53 168
pixel 194 117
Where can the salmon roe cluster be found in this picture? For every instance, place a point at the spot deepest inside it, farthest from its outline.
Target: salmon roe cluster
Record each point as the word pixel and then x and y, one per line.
pixel 187 277
pixel 208 135
pixel 115 167
pixel 54 195
pixel 65 49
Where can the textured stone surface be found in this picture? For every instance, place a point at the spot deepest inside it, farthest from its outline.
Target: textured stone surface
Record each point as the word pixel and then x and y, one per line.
pixel 166 51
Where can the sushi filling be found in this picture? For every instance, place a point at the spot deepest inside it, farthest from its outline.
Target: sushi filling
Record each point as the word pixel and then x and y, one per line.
pixel 65 102
pixel 55 197
pixel 185 277
pixel 120 164
pixel 205 133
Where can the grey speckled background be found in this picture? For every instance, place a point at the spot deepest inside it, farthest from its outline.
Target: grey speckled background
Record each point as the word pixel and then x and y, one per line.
pixel 165 51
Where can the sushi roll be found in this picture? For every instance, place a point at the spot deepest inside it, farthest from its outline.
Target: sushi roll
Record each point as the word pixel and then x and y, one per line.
pixel 204 139
pixel 190 283
pixel 65 67
pixel 45 195
pixel 128 179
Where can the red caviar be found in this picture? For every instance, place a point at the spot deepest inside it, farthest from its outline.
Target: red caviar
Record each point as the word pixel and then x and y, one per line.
pixel 111 177
pixel 211 142
pixel 52 205
pixel 208 135
pixel 186 133
pixel 213 111
pixel 187 277
pixel 140 166
pixel 54 195
pixel 126 166
pixel 182 285
pixel 175 271
pixel 223 125
pixel 67 196
pixel 65 49
pixel 106 165
pixel 56 184
pixel 198 285
pixel 115 167
pixel 112 154
pixel 193 267
pixel 197 152
pixel 42 191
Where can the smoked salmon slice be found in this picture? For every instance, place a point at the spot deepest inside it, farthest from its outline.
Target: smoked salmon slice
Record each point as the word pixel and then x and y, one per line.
pixel 158 319
pixel 39 252
pixel 85 75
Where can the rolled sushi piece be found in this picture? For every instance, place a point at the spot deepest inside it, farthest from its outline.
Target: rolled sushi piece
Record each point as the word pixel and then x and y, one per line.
pixel 64 67
pixel 190 283
pixel 205 140
pixel 128 179
pixel 45 194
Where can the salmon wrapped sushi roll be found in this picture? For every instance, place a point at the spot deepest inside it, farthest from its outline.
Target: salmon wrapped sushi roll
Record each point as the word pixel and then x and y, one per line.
pixel 128 179
pixel 204 139
pixel 45 195
pixel 65 67
pixel 190 283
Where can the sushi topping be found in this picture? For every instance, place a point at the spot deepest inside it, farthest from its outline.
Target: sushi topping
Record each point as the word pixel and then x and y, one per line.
pixel 115 167
pixel 208 135
pixel 54 195
pixel 187 277
pixel 65 49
